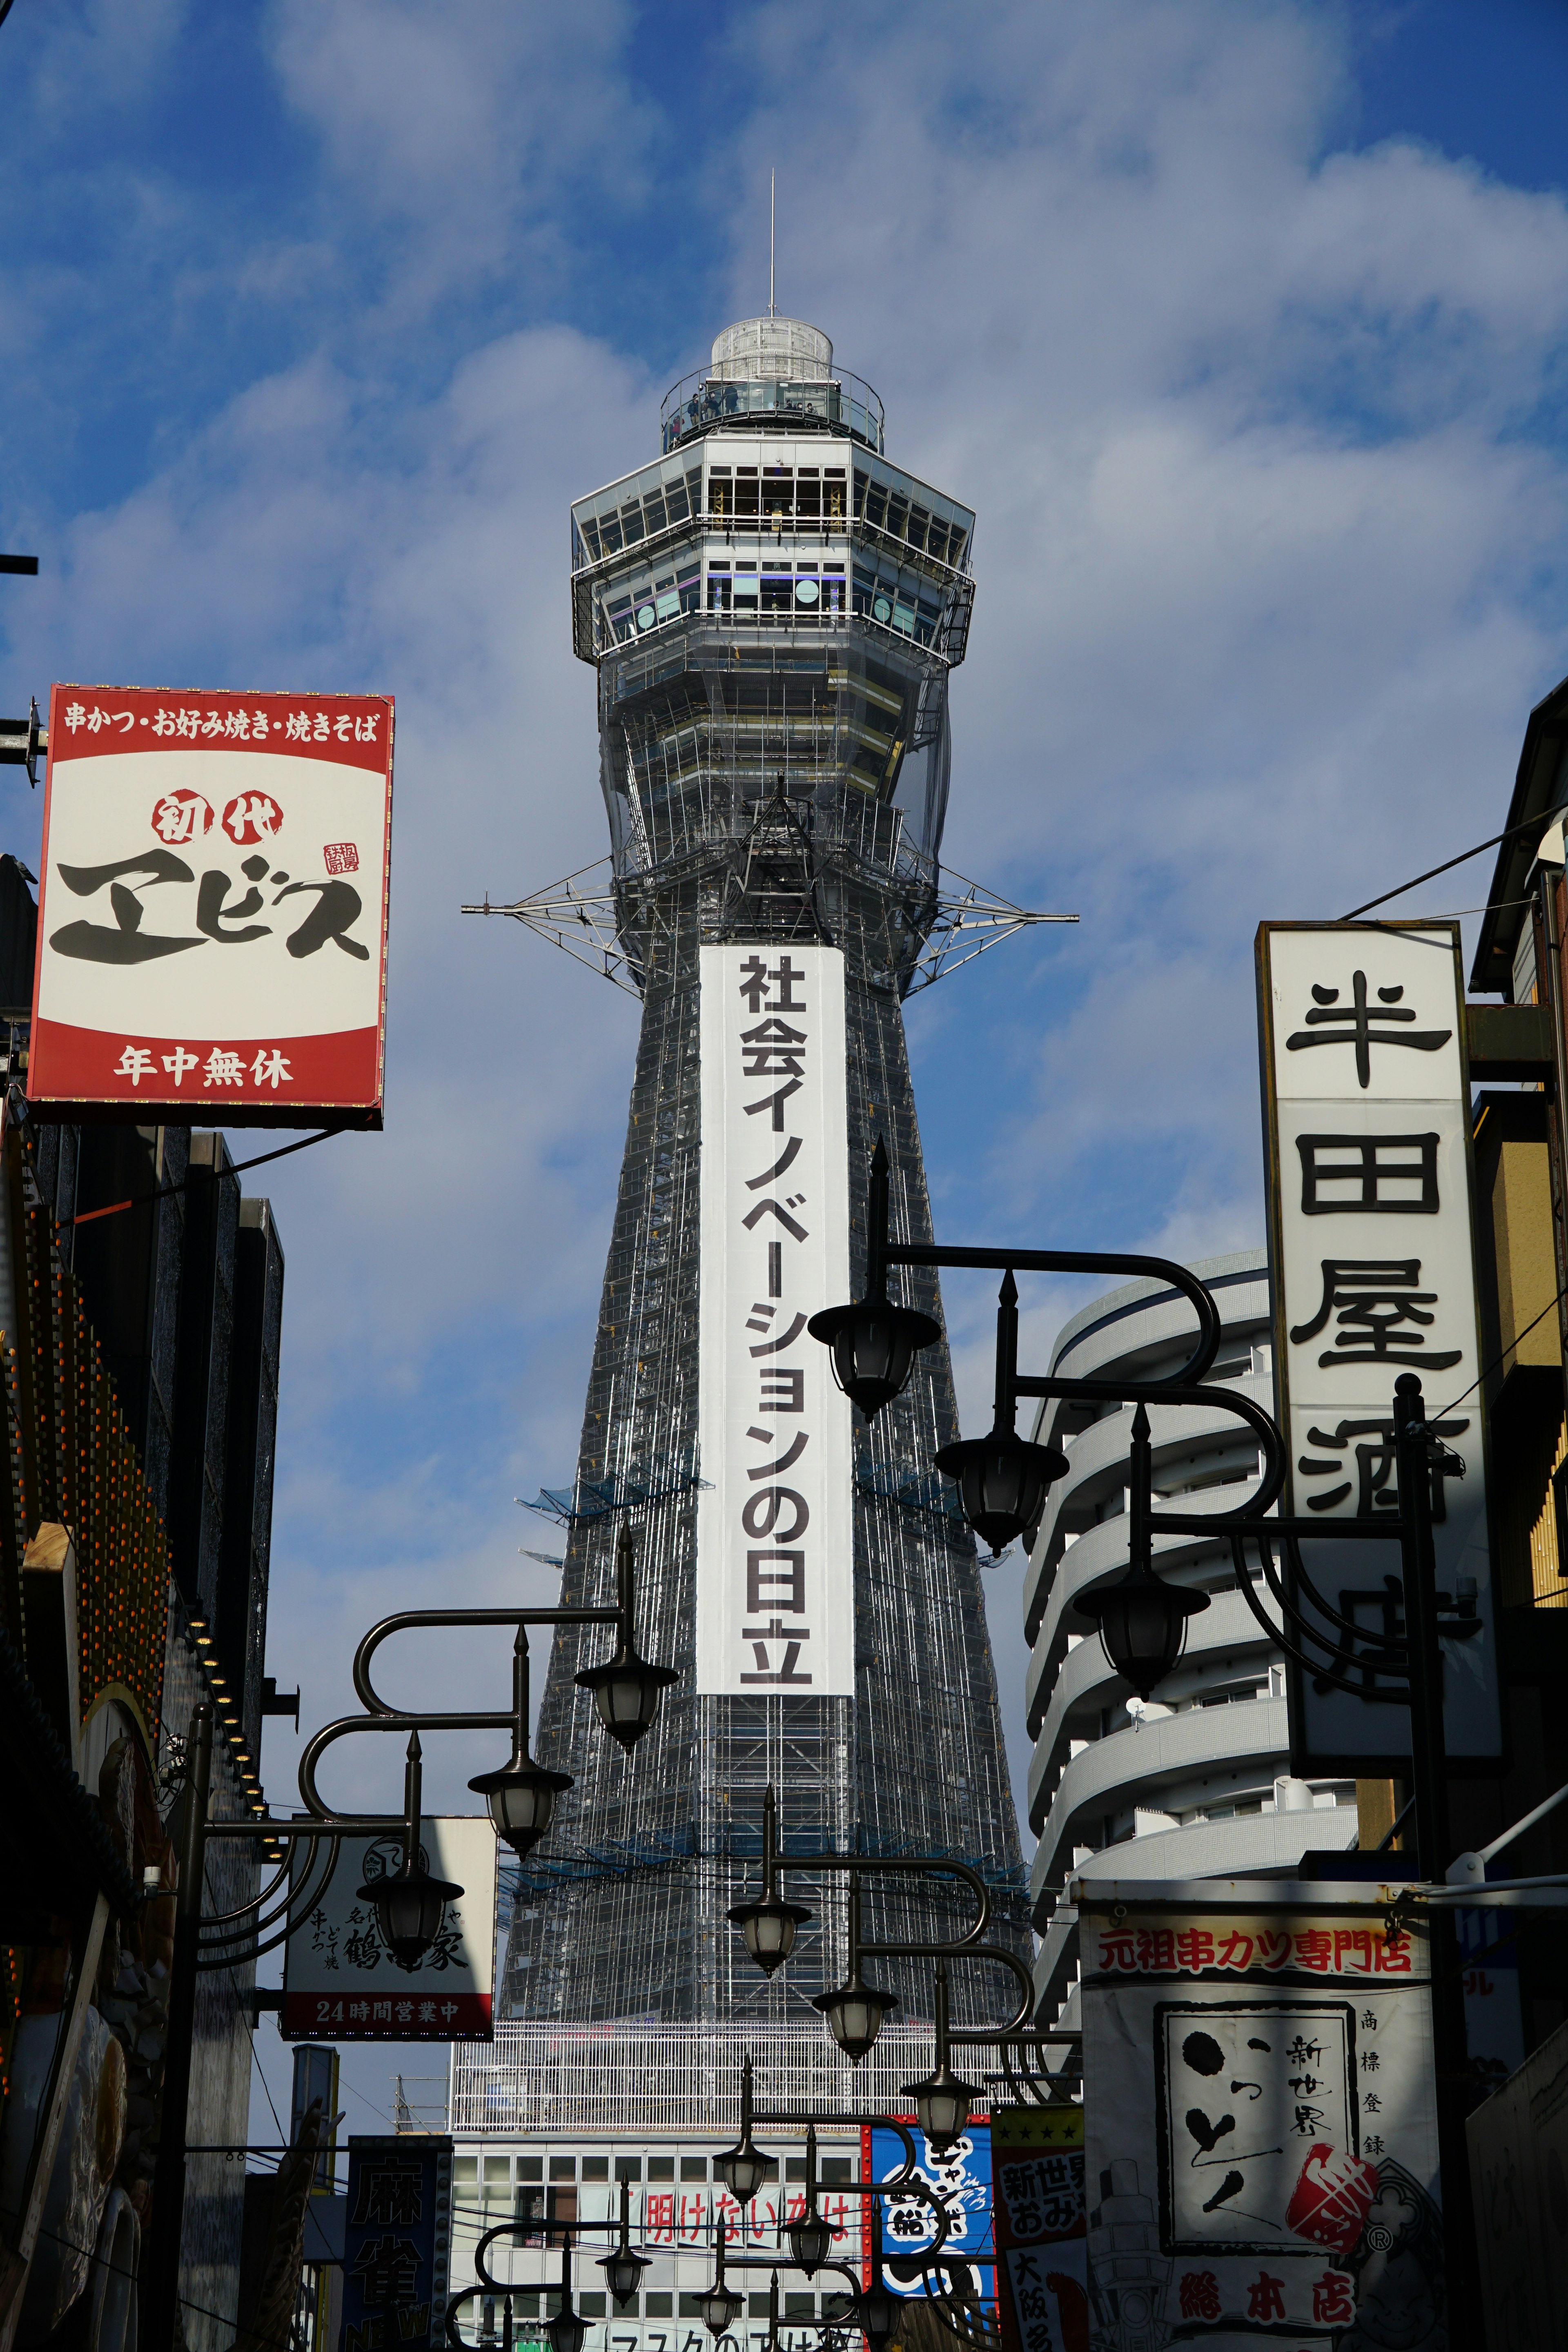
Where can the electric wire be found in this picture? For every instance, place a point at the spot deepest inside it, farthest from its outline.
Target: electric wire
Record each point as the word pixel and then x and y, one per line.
pixel 1529 826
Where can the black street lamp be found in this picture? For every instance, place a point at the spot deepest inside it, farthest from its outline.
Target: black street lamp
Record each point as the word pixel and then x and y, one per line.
pixel 855 2011
pixel 769 1925
pixel 1003 1480
pixel 878 2309
pixel 810 2236
pixel 521 1795
pixel 409 1903
pixel 942 2102
pixel 719 2304
pixel 567 2329
pixel 874 1343
pixel 623 2270
pixel 626 1689
pixel 743 2167
pixel 1143 1621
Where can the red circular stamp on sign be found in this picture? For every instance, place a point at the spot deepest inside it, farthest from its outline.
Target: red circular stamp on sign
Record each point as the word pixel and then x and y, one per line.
pixel 252 817
pixel 182 816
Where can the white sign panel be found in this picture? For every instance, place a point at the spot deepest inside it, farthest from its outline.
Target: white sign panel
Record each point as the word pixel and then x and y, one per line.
pixel 1260 2136
pixel 342 1984
pixel 1373 1251
pixel 212 917
pixel 774 1529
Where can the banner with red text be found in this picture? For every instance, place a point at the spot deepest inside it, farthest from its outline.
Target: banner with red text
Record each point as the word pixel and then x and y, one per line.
pixel 1261 2133
pixel 212 909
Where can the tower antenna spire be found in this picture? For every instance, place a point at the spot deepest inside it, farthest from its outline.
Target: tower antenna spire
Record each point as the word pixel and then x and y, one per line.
pixel 772 308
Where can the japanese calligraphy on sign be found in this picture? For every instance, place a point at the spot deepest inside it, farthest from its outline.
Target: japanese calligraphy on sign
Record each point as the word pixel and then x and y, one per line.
pixel 211 916
pixel 397 2235
pixel 1261 2137
pixel 775 1605
pixel 340 1980
pixel 1037 2156
pixel 1372 1258
pixel 959 2178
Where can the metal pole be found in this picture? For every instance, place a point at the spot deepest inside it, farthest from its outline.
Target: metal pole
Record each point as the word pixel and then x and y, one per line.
pixel 161 2285
pixel 1429 1780
pixel 1428 1758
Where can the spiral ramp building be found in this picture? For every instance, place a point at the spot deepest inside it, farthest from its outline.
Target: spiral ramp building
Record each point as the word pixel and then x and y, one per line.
pixel 1195 1784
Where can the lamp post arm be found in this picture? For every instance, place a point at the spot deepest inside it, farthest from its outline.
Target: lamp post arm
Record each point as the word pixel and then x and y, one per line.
pixel 542 2230
pixel 1027 1261
pixel 347 1726
pixel 407 1619
pixel 924 1866
pixel 967 1951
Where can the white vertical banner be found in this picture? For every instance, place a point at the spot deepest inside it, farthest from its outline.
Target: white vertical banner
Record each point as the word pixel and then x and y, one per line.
pixel 1373 1253
pixel 776 1607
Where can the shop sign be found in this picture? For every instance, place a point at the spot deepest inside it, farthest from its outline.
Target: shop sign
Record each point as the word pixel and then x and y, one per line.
pixel 212 912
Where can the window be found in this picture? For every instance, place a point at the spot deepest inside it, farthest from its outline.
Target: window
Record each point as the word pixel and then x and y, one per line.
pixel 807 494
pixel 746 589
pixel 564 2167
pixel 531 2168
pixel 628 2167
pixel 836 2168
pixel 691 2307
pixel 794 2168
pixel 718 588
pixel 658 2307
pixel 596 2167
pixel 591 2305
pixel 778 591
pixel 694 2168
pixel 661 2168
pixel 746 490
pixel 800 2306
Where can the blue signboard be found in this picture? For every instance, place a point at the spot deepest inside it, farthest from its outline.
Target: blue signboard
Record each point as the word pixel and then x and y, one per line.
pixel 960 2178
pixel 397 2236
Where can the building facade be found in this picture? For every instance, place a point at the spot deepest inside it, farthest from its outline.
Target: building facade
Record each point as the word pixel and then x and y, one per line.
pixel 141 1301
pixel 1197 1783
pixel 774 612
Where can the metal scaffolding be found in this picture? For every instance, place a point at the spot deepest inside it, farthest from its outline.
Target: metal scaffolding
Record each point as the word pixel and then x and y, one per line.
pixel 785 787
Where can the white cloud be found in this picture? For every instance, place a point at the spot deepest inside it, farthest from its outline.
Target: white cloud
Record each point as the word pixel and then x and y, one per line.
pixel 1260 433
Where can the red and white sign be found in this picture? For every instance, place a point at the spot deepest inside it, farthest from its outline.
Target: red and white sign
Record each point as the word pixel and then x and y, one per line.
pixel 341 1983
pixel 212 919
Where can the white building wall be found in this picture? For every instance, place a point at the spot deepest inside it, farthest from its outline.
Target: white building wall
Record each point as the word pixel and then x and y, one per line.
pixel 1194 1783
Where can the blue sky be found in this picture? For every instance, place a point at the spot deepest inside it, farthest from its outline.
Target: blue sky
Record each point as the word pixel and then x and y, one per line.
pixel 1242 325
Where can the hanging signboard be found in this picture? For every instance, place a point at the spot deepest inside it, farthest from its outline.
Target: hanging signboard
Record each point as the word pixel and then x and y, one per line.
pixel 212 913
pixel 397 2231
pixel 1037 2158
pixel 1261 2133
pixel 774 1524
pixel 1371 1250
pixel 342 1984
pixel 959 2177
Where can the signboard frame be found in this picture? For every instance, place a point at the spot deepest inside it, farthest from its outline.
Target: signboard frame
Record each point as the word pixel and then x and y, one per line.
pixel 213 908
pixel 340 1984
pixel 387 2177
pixel 1303 2227
pixel 775 1606
pixel 1320 1722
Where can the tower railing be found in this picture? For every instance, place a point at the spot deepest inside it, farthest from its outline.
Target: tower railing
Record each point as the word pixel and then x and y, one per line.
pixel 706 403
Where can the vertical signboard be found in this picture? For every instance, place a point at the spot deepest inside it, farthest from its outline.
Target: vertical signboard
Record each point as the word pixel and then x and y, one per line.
pixel 212 913
pixel 960 2177
pixel 398 2234
pixel 1037 2158
pixel 1261 2134
pixel 1371 1249
pixel 775 1527
pixel 342 1984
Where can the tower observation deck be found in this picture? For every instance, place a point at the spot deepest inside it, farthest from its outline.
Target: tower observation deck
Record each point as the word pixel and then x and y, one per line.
pixel 775 611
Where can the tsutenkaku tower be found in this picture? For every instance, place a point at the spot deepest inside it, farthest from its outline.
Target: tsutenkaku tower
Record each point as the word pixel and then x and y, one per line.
pixel 775 611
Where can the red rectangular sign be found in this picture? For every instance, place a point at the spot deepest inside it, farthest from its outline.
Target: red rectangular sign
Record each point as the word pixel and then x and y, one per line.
pixel 212 916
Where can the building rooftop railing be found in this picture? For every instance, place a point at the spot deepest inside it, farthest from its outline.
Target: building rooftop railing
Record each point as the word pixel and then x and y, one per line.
pixel 704 403
pixel 598 2079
